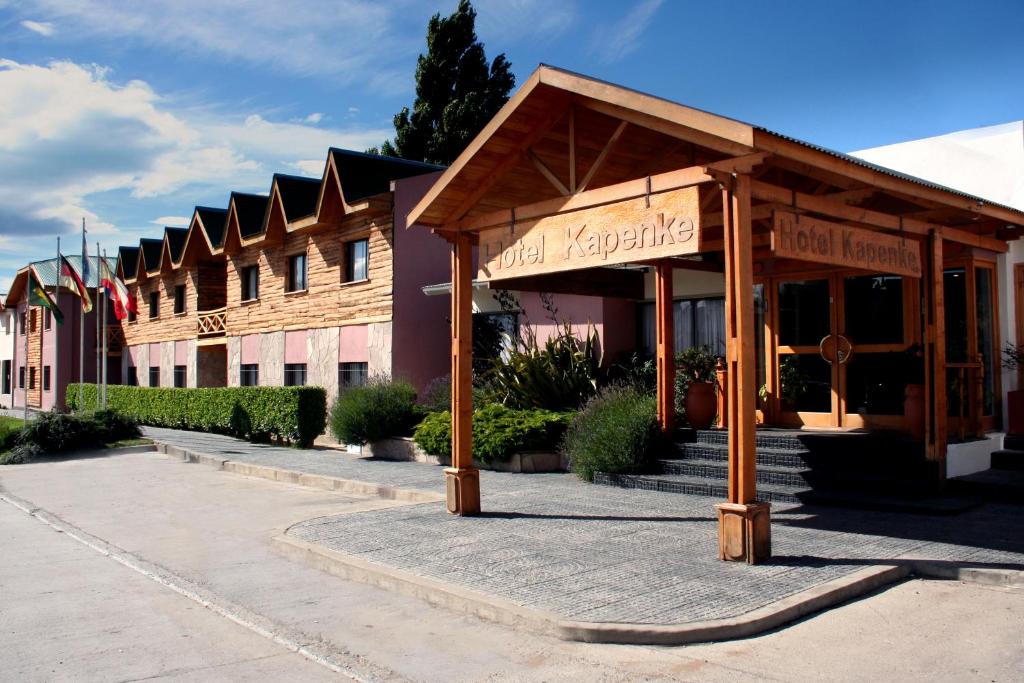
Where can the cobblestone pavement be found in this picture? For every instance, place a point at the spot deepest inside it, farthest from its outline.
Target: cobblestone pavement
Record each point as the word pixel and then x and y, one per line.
pixel 592 553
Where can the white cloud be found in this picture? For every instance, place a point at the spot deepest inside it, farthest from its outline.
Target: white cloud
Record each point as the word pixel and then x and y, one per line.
pixel 172 221
pixel 512 20
pixel 314 168
pixel 366 42
pixel 43 28
pixel 69 134
pixel 611 43
pixel 314 118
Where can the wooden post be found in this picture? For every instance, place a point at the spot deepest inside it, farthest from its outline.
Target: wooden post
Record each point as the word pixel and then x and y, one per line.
pixel 665 347
pixel 744 525
pixel 936 355
pixel 722 380
pixel 462 479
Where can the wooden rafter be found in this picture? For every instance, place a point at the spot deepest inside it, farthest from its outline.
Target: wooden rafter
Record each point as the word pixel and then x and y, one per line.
pixel 547 173
pixel 599 161
pixel 572 150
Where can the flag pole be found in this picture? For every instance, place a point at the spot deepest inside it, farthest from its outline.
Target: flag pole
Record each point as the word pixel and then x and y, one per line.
pixel 81 329
pixel 56 338
pixel 104 338
pixel 98 345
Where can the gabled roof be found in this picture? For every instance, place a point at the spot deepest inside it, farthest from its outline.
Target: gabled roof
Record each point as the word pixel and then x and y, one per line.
pixel 250 209
pixel 298 195
pixel 48 270
pixel 563 131
pixel 150 251
pixel 213 222
pixel 174 238
pixel 128 261
pixel 365 175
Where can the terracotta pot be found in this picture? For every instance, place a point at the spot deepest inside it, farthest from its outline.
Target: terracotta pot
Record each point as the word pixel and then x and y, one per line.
pixel 1015 412
pixel 700 404
pixel 913 410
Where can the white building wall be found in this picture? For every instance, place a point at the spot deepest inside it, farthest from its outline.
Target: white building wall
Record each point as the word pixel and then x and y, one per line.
pixel 7 354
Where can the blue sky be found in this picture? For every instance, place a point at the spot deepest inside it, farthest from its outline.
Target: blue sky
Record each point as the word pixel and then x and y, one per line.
pixel 130 114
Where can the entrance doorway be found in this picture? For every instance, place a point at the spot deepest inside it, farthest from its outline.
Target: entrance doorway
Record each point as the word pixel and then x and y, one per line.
pixel 843 348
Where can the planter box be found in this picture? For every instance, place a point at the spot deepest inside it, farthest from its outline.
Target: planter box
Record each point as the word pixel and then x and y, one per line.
pixel 528 462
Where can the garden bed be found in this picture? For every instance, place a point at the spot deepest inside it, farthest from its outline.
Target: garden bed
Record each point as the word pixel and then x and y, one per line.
pixel 405 449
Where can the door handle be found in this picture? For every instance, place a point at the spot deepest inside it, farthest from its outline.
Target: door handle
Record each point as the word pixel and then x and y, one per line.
pixel 835 348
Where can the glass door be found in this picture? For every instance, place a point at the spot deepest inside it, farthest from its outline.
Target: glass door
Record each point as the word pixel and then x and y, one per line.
pixel 809 352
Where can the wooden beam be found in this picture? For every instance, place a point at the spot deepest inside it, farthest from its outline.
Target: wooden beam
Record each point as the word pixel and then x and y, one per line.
pixel 798 200
pixel 596 166
pixel 740 164
pixel 546 172
pixel 617 283
pixel 462 479
pixel 512 158
pixel 665 347
pixel 937 434
pixel 609 194
pixel 769 142
pixel 572 150
pixel 742 486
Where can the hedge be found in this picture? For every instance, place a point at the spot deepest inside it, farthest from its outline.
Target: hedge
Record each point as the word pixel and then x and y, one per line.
pixel 298 414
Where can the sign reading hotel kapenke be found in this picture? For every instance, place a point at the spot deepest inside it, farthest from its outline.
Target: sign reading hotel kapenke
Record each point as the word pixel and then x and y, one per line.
pixel 613 234
pixel 811 239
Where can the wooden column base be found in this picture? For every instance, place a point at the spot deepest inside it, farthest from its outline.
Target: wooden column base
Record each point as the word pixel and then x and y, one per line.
pixel 744 532
pixel 462 487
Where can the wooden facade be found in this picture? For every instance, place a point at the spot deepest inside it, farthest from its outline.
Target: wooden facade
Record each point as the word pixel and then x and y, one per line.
pixel 567 150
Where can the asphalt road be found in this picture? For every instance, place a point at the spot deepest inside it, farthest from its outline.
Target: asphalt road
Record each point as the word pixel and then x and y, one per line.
pixel 119 595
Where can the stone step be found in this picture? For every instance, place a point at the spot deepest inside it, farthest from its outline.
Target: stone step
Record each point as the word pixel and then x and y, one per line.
pixel 694 486
pixel 1013 442
pixel 1007 459
pixel 761 440
pixel 719 470
pixel 765 456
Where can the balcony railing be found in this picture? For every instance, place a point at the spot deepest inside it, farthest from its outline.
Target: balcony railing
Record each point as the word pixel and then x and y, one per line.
pixel 213 323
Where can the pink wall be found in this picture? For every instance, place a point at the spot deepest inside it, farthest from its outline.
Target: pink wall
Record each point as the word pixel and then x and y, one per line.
pixel 420 331
pixel 154 355
pixel 250 349
pixel 295 346
pixel 614 320
pixel 180 353
pixel 353 344
pixel 135 355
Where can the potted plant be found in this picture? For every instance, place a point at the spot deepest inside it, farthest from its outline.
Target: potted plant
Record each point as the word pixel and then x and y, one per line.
pixel 1013 359
pixel 913 394
pixel 695 375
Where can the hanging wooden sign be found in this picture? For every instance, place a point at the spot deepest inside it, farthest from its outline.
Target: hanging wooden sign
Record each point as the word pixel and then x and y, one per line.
pixel 641 229
pixel 812 239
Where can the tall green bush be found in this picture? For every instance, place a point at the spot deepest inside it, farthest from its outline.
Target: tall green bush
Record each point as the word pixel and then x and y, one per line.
pixel 498 432
pixel 380 409
pixel 298 414
pixel 616 432
pixel 559 375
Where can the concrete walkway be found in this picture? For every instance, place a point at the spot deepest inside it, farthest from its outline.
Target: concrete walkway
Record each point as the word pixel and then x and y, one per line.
pixel 624 560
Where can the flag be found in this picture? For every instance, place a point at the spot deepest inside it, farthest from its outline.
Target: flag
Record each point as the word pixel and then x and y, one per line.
pixel 38 296
pixel 117 291
pixel 86 266
pixel 70 278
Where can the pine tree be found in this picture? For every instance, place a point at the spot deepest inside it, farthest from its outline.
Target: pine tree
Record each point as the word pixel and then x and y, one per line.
pixel 457 93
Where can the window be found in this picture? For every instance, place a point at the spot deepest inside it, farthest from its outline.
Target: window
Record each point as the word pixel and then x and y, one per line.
pixel 21 377
pixel 295 374
pixel 154 377
pixel 179 299
pixel 46 378
pixel 249 375
pixel 250 283
pixel 133 376
pixel 47 319
pixel 351 375
pixel 357 257
pixel 154 305
pixel 180 376
pixel 7 377
pixel 31 378
pixel 697 322
pixel 23 322
pixel 297 273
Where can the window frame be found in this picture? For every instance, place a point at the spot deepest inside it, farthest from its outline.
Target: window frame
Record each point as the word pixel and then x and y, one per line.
pixel 290 283
pixel 348 269
pixel 47 319
pixel 180 371
pixel 345 367
pixel 294 368
pixel 254 270
pixel 21 377
pixel 154 305
pixel 247 369
pixel 180 299
pixel 46 378
pixel 154 371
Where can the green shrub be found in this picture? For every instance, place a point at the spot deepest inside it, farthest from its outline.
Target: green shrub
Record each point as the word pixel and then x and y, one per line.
pixel 616 432
pixel 498 432
pixel 437 397
pixel 20 454
pixel 560 375
pixel 378 410
pixel 298 414
pixel 9 429
pixel 54 432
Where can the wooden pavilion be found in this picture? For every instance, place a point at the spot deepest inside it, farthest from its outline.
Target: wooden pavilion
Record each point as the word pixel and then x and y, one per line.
pixel 576 174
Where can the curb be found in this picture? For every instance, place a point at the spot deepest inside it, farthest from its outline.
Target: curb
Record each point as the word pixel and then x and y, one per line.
pixel 317 481
pixel 766 618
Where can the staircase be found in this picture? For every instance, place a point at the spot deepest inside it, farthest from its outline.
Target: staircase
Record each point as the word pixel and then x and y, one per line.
pixel 1011 457
pixel 856 469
